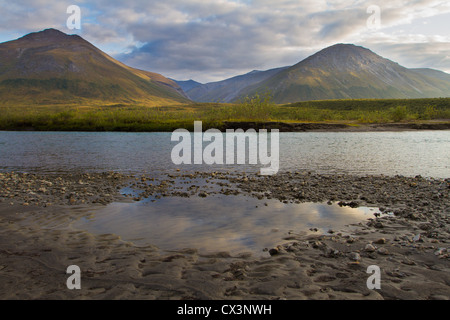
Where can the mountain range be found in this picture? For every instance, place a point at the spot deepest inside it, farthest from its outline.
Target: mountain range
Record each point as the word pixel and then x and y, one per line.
pixel 226 90
pixel 51 67
pixel 342 71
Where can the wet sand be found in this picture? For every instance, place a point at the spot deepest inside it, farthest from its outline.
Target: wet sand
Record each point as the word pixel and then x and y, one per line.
pixel 409 240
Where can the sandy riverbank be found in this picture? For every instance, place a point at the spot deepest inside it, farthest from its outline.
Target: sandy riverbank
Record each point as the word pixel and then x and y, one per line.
pixel 409 240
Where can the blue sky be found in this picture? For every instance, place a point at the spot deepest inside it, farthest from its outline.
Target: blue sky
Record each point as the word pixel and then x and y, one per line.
pixel 213 40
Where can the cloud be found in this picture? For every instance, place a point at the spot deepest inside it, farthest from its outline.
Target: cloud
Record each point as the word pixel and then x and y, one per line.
pixel 430 54
pixel 210 40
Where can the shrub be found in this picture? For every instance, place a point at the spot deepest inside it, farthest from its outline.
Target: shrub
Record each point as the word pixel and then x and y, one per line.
pixel 399 113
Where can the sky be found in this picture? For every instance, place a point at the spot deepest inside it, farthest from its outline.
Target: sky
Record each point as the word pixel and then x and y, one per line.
pixel 217 39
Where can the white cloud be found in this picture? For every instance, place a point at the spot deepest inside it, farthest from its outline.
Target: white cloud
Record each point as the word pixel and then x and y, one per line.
pixel 210 40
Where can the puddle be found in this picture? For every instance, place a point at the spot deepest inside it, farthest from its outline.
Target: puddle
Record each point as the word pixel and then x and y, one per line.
pixel 217 223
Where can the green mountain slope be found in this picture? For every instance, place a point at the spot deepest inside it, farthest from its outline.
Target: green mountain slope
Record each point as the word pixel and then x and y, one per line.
pixel 346 71
pixel 50 67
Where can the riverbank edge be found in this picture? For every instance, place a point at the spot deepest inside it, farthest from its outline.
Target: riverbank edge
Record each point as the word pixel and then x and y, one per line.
pixel 282 126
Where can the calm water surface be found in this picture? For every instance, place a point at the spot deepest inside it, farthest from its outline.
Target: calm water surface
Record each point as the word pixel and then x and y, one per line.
pixel 405 153
pixel 219 222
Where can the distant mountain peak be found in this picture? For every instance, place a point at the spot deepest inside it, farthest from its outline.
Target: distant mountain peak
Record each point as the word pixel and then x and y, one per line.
pixel 50 34
pixel 344 57
pixel 349 47
pixel 51 66
pixel 343 50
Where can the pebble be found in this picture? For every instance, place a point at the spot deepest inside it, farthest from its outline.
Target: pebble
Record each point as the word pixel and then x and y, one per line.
pixel 378 225
pixel 370 248
pixel 408 262
pixel 380 241
pixel 355 256
pixel 274 251
pixel 331 253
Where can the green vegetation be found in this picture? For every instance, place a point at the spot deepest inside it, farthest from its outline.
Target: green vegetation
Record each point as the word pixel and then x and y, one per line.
pixel 371 110
pixel 260 108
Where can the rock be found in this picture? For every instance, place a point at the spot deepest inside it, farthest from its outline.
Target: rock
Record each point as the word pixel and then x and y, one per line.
pixel 331 253
pixel 373 255
pixel 440 251
pixel 370 248
pixel 408 262
pixel 378 225
pixel 355 256
pixel 203 194
pixel 380 241
pixel 417 238
pixel 383 251
pixel 274 251
pixel 318 244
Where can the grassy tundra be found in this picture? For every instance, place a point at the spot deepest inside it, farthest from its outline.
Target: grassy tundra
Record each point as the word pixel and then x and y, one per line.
pixel 121 117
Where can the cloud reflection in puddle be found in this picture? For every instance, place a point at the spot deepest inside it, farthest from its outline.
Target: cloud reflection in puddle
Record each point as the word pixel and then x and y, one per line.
pixel 217 223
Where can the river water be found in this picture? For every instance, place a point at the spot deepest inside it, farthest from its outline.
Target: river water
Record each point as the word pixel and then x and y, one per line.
pixel 411 153
pixel 219 222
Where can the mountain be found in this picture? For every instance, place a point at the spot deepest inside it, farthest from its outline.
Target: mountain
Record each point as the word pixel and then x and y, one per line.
pixel 49 67
pixel 230 89
pixel 342 71
pixel 188 84
pixel 433 73
pixel 346 71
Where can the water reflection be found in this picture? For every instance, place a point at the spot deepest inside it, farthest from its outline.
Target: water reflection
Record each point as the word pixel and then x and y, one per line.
pixel 216 223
